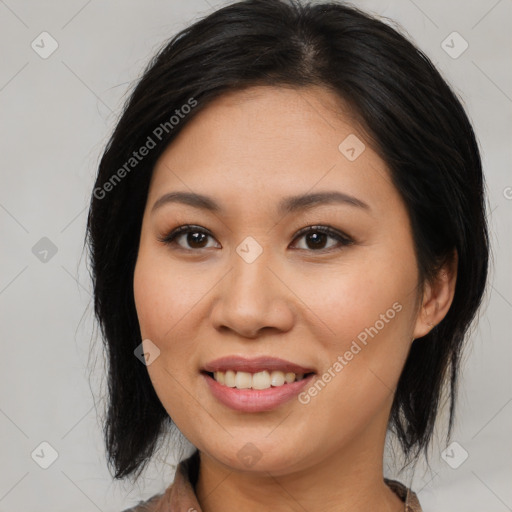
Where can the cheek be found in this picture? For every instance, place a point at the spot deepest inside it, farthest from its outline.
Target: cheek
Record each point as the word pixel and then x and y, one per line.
pixel 364 313
pixel 163 295
pixel 363 318
pixel 171 299
pixel 349 300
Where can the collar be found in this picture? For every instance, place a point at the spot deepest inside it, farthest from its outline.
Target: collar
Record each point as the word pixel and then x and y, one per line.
pixel 180 496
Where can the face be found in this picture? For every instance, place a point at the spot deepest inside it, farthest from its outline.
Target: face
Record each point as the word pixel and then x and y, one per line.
pixel 263 285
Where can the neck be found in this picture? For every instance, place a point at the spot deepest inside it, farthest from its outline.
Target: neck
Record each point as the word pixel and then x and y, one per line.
pixel 349 480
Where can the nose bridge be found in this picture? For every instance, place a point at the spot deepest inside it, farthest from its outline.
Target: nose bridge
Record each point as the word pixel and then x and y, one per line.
pixel 250 278
pixel 251 297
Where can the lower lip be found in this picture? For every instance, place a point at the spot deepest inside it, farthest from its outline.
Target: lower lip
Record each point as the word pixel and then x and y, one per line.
pixel 255 400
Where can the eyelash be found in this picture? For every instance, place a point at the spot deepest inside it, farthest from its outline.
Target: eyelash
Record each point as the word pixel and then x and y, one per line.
pixel 344 240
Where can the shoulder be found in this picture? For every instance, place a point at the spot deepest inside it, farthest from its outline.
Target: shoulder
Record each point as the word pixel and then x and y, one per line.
pixel 179 492
pixel 149 505
pixel 409 498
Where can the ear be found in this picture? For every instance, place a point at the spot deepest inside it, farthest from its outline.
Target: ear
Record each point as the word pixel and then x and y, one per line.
pixel 437 297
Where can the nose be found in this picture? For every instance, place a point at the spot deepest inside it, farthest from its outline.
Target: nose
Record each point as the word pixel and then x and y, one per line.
pixel 252 298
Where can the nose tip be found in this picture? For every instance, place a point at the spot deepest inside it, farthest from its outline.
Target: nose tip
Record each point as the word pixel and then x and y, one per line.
pixel 251 300
pixel 245 332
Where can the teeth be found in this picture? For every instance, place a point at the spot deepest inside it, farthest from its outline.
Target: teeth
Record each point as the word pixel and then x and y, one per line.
pixel 219 377
pixel 277 378
pixel 289 377
pixel 259 380
pixel 229 378
pixel 243 380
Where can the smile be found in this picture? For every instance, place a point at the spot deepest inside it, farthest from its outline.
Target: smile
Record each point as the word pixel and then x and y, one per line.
pixel 260 380
pixel 255 384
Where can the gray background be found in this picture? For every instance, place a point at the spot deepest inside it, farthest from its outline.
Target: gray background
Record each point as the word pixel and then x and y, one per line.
pixel 56 114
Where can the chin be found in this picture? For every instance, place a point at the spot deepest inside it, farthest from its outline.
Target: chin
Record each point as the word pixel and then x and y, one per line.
pixel 258 455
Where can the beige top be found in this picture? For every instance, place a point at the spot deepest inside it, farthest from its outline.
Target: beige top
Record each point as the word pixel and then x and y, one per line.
pixel 180 496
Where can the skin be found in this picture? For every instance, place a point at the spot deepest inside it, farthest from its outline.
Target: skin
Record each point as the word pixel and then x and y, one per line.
pixel 197 302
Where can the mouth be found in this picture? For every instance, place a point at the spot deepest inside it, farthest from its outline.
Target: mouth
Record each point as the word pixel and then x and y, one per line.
pixel 259 380
pixel 255 385
pixel 255 373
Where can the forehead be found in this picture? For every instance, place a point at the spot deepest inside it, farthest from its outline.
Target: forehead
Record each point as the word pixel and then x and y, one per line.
pixel 268 142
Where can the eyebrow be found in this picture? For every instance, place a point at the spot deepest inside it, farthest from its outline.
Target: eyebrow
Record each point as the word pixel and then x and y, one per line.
pixel 286 205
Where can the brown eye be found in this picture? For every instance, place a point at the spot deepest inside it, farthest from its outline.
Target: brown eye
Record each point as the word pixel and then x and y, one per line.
pixel 194 236
pixel 316 237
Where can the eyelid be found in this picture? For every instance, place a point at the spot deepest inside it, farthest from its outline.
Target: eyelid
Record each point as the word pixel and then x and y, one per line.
pixel 327 230
pixel 342 238
pixel 181 230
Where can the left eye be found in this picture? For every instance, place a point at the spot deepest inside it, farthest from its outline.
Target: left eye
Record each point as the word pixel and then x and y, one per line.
pixel 315 237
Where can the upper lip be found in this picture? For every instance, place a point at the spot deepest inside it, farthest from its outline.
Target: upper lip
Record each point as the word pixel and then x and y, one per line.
pixel 253 365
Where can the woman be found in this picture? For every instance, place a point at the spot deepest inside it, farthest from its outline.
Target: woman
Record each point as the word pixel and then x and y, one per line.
pixel 288 245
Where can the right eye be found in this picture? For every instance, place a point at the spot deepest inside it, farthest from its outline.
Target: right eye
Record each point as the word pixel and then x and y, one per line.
pixel 194 236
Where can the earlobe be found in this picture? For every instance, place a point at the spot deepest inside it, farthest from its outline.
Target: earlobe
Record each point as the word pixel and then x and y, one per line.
pixel 437 297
